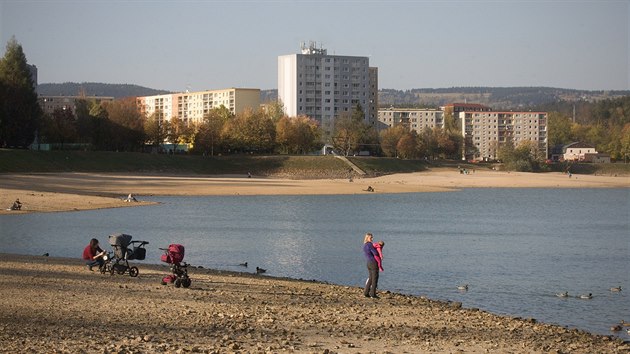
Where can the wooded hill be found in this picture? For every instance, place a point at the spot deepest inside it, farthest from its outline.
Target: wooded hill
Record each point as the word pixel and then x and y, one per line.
pixel 509 98
pixel 96 89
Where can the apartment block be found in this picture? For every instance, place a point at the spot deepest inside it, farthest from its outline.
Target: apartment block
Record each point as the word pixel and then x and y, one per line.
pixel 51 103
pixel 484 132
pixel 191 107
pixel 413 119
pixel 324 86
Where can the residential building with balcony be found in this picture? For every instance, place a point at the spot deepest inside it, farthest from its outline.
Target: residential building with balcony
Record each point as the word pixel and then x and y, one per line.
pixel 190 107
pixel 485 131
pixel 323 86
pixel 412 119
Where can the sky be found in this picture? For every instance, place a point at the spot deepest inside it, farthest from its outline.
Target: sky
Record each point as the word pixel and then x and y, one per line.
pixel 201 45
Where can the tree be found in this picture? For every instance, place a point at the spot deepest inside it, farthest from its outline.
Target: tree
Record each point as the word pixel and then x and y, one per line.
pixel 522 158
pixel 350 131
pixel 558 129
pixel 179 132
pixel 209 134
pixel 347 134
pixel 297 135
pixel 251 131
pixel 20 113
pixel 450 121
pixel 625 143
pixel 60 127
pixel 275 110
pixel 389 139
pixel 125 123
pixel 408 145
pixel 155 129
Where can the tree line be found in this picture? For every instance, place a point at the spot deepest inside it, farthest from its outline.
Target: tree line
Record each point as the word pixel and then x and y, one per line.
pixel 119 126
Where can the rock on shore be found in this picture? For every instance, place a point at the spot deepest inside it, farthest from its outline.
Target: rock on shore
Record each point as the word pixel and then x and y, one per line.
pixel 55 305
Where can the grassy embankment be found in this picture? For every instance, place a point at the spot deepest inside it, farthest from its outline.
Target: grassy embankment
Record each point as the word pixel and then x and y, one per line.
pixel 24 161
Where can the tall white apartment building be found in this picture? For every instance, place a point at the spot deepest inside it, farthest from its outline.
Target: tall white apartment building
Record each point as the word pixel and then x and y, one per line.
pixel 484 132
pixel 324 86
pixel 411 118
pixel 190 107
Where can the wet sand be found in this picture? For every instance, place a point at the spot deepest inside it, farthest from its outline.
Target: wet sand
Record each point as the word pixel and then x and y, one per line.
pixel 83 191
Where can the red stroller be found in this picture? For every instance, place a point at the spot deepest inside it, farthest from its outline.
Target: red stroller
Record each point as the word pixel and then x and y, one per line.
pixel 174 255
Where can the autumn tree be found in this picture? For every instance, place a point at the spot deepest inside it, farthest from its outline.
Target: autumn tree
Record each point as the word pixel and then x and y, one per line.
pixel 209 137
pixel 155 129
pixel 558 129
pixel 297 135
pixel 407 146
pixel 251 130
pixel 124 125
pixel 389 139
pixel 275 110
pixel 179 132
pixel 59 128
pixel 20 113
pixel 524 157
pixel 351 132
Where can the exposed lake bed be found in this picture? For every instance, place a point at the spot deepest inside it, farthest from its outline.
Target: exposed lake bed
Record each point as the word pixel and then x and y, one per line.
pixel 435 242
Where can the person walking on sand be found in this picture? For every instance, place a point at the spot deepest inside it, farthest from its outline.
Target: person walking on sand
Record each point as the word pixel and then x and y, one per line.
pixel 93 254
pixel 370 254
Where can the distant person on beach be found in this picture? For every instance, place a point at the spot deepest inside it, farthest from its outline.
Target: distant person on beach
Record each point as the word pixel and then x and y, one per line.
pixel 93 254
pixel 131 198
pixel 17 205
pixel 379 248
pixel 370 254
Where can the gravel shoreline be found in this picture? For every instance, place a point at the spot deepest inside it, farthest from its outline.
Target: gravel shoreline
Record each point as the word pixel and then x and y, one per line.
pixel 55 305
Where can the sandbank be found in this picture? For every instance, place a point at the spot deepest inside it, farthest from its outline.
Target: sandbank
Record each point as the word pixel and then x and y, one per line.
pixel 49 192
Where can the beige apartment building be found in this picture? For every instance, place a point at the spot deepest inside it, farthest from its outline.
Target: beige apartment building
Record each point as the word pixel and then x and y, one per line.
pixel 49 104
pixel 485 131
pixel 191 107
pixel 413 119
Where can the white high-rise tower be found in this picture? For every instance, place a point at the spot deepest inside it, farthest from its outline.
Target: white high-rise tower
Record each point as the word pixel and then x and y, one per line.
pixel 324 86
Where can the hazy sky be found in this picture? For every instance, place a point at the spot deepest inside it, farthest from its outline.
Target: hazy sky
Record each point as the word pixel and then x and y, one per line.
pixel 204 44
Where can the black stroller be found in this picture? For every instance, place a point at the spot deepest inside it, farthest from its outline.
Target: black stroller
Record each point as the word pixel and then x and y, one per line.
pixel 174 255
pixel 124 250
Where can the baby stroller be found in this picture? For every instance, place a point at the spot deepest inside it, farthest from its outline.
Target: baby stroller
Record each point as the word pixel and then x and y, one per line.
pixel 124 250
pixel 174 255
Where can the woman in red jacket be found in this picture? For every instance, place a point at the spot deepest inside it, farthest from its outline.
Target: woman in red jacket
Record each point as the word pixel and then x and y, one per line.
pixel 93 254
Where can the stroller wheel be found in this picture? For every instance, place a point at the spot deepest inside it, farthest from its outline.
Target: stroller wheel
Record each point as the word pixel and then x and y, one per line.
pixel 133 272
pixel 186 282
pixel 178 283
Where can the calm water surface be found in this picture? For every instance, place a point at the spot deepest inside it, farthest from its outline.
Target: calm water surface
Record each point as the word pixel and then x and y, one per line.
pixel 515 248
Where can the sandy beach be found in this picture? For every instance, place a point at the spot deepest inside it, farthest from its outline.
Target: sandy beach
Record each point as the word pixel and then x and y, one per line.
pixel 55 305
pixel 49 192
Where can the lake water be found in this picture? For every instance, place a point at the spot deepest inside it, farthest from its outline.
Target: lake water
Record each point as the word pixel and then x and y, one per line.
pixel 515 248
